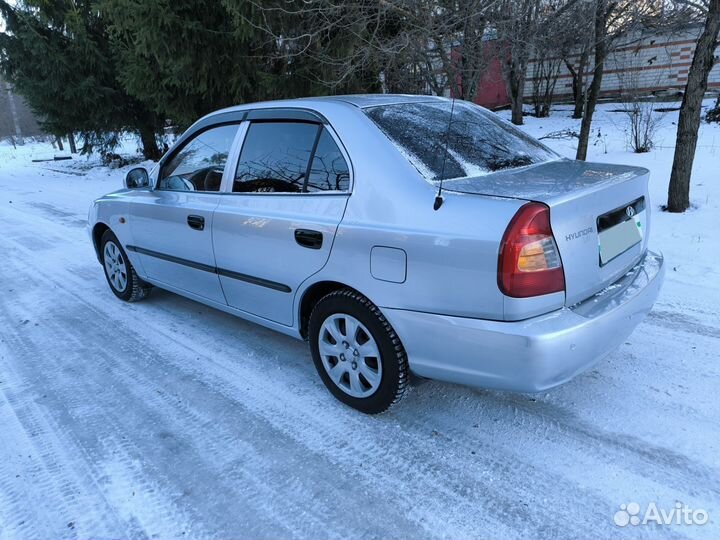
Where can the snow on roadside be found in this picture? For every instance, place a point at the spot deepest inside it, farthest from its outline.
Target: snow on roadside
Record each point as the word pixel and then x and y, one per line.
pixel 687 240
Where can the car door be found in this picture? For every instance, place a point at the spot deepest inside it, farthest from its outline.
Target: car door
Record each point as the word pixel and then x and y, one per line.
pixel 172 224
pixel 276 226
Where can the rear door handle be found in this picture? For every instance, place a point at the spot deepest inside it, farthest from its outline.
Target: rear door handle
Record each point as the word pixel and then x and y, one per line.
pixel 309 238
pixel 196 222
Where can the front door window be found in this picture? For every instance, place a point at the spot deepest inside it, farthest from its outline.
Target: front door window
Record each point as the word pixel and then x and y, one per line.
pixel 199 165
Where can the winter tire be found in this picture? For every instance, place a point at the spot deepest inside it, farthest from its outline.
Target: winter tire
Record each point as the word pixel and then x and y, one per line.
pixel 357 353
pixel 120 274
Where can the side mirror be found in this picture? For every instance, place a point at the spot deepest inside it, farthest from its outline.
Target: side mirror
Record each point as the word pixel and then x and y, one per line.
pixel 137 178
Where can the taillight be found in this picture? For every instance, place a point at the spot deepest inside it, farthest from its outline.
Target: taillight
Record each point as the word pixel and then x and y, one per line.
pixel 529 262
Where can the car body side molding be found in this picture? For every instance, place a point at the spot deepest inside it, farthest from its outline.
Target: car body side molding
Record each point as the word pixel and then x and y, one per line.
pixel 254 280
pixel 212 269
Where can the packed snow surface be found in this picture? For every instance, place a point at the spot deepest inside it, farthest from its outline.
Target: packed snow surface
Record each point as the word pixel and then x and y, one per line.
pixel 168 419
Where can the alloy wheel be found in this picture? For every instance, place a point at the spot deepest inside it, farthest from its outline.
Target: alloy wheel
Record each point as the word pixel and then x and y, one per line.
pixel 115 266
pixel 350 355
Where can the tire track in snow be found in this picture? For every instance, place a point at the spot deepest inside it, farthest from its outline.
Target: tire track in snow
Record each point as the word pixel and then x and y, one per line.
pixel 50 490
pixel 274 399
pixel 682 322
pixel 92 328
pixel 68 458
pixel 119 457
pixel 306 411
pixel 340 433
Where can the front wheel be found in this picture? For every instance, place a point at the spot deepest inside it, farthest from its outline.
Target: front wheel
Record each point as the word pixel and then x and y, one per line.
pixel 357 353
pixel 120 274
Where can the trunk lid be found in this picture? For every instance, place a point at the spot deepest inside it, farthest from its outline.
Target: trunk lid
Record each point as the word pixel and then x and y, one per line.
pixel 599 214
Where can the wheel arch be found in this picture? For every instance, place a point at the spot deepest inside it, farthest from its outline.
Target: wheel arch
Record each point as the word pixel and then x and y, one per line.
pixel 97 233
pixel 310 297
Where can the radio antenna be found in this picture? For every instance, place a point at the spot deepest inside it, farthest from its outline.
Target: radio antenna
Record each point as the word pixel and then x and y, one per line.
pixel 438 197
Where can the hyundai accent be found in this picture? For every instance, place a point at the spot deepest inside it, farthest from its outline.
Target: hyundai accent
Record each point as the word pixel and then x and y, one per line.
pixel 398 235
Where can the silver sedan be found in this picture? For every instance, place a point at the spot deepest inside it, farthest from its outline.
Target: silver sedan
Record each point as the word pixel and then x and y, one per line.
pixel 398 235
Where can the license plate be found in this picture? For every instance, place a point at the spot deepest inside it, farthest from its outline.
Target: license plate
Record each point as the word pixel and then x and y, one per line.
pixel 616 240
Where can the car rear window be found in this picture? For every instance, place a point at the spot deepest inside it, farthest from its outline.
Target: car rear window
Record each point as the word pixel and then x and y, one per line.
pixel 478 142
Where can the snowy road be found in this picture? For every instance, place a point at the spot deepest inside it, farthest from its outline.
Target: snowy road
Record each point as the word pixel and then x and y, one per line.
pixel 169 419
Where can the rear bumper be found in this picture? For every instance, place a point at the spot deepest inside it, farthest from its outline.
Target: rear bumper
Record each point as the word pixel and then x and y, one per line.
pixel 535 354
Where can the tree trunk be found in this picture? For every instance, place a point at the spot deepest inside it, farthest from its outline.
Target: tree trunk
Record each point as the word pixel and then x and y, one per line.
pixel 58 140
pixel 71 143
pixel 516 105
pixel 517 86
pixel 590 104
pixel 13 113
pixel 689 122
pixel 601 16
pixel 149 144
pixel 579 85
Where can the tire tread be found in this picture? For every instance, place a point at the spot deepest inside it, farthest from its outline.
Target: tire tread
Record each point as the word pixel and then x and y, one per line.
pixel 399 350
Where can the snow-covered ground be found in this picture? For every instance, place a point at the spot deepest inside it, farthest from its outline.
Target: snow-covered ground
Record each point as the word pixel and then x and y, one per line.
pixel 169 419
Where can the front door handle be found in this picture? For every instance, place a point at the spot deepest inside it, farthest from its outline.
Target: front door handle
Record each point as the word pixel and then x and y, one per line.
pixel 196 222
pixel 309 238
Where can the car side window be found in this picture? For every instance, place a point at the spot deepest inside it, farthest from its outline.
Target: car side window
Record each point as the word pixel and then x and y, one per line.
pixel 275 158
pixel 329 171
pixel 199 165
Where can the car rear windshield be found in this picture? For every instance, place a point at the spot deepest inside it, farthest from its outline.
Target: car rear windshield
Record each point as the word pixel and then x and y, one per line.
pixel 478 142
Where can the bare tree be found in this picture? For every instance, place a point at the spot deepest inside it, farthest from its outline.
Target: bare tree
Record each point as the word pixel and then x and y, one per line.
pixel 522 27
pixel 552 44
pixel 639 106
pixel 611 20
pixel 545 76
pixel 429 46
pixel 689 122
pixel 450 41
pixel 603 11
pixel 577 72
pixel 643 122
pixel 576 44
pixel 517 23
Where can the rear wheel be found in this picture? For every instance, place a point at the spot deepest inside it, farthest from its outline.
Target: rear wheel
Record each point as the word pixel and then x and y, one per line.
pixel 120 274
pixel 357 353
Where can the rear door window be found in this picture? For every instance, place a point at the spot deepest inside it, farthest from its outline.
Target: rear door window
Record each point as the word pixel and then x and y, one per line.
pixel 275 157
pixel 290 157
pixel 329 171
pixel 478 142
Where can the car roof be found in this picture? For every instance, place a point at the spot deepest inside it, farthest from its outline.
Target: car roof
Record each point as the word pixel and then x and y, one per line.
pixel 373 100
pixel 357 100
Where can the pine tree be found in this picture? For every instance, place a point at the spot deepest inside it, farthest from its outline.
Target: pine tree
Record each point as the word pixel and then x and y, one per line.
pixel 58 56
pixel 186 58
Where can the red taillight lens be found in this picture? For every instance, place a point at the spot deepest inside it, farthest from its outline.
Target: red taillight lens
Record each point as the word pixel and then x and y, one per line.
pixel 529 262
